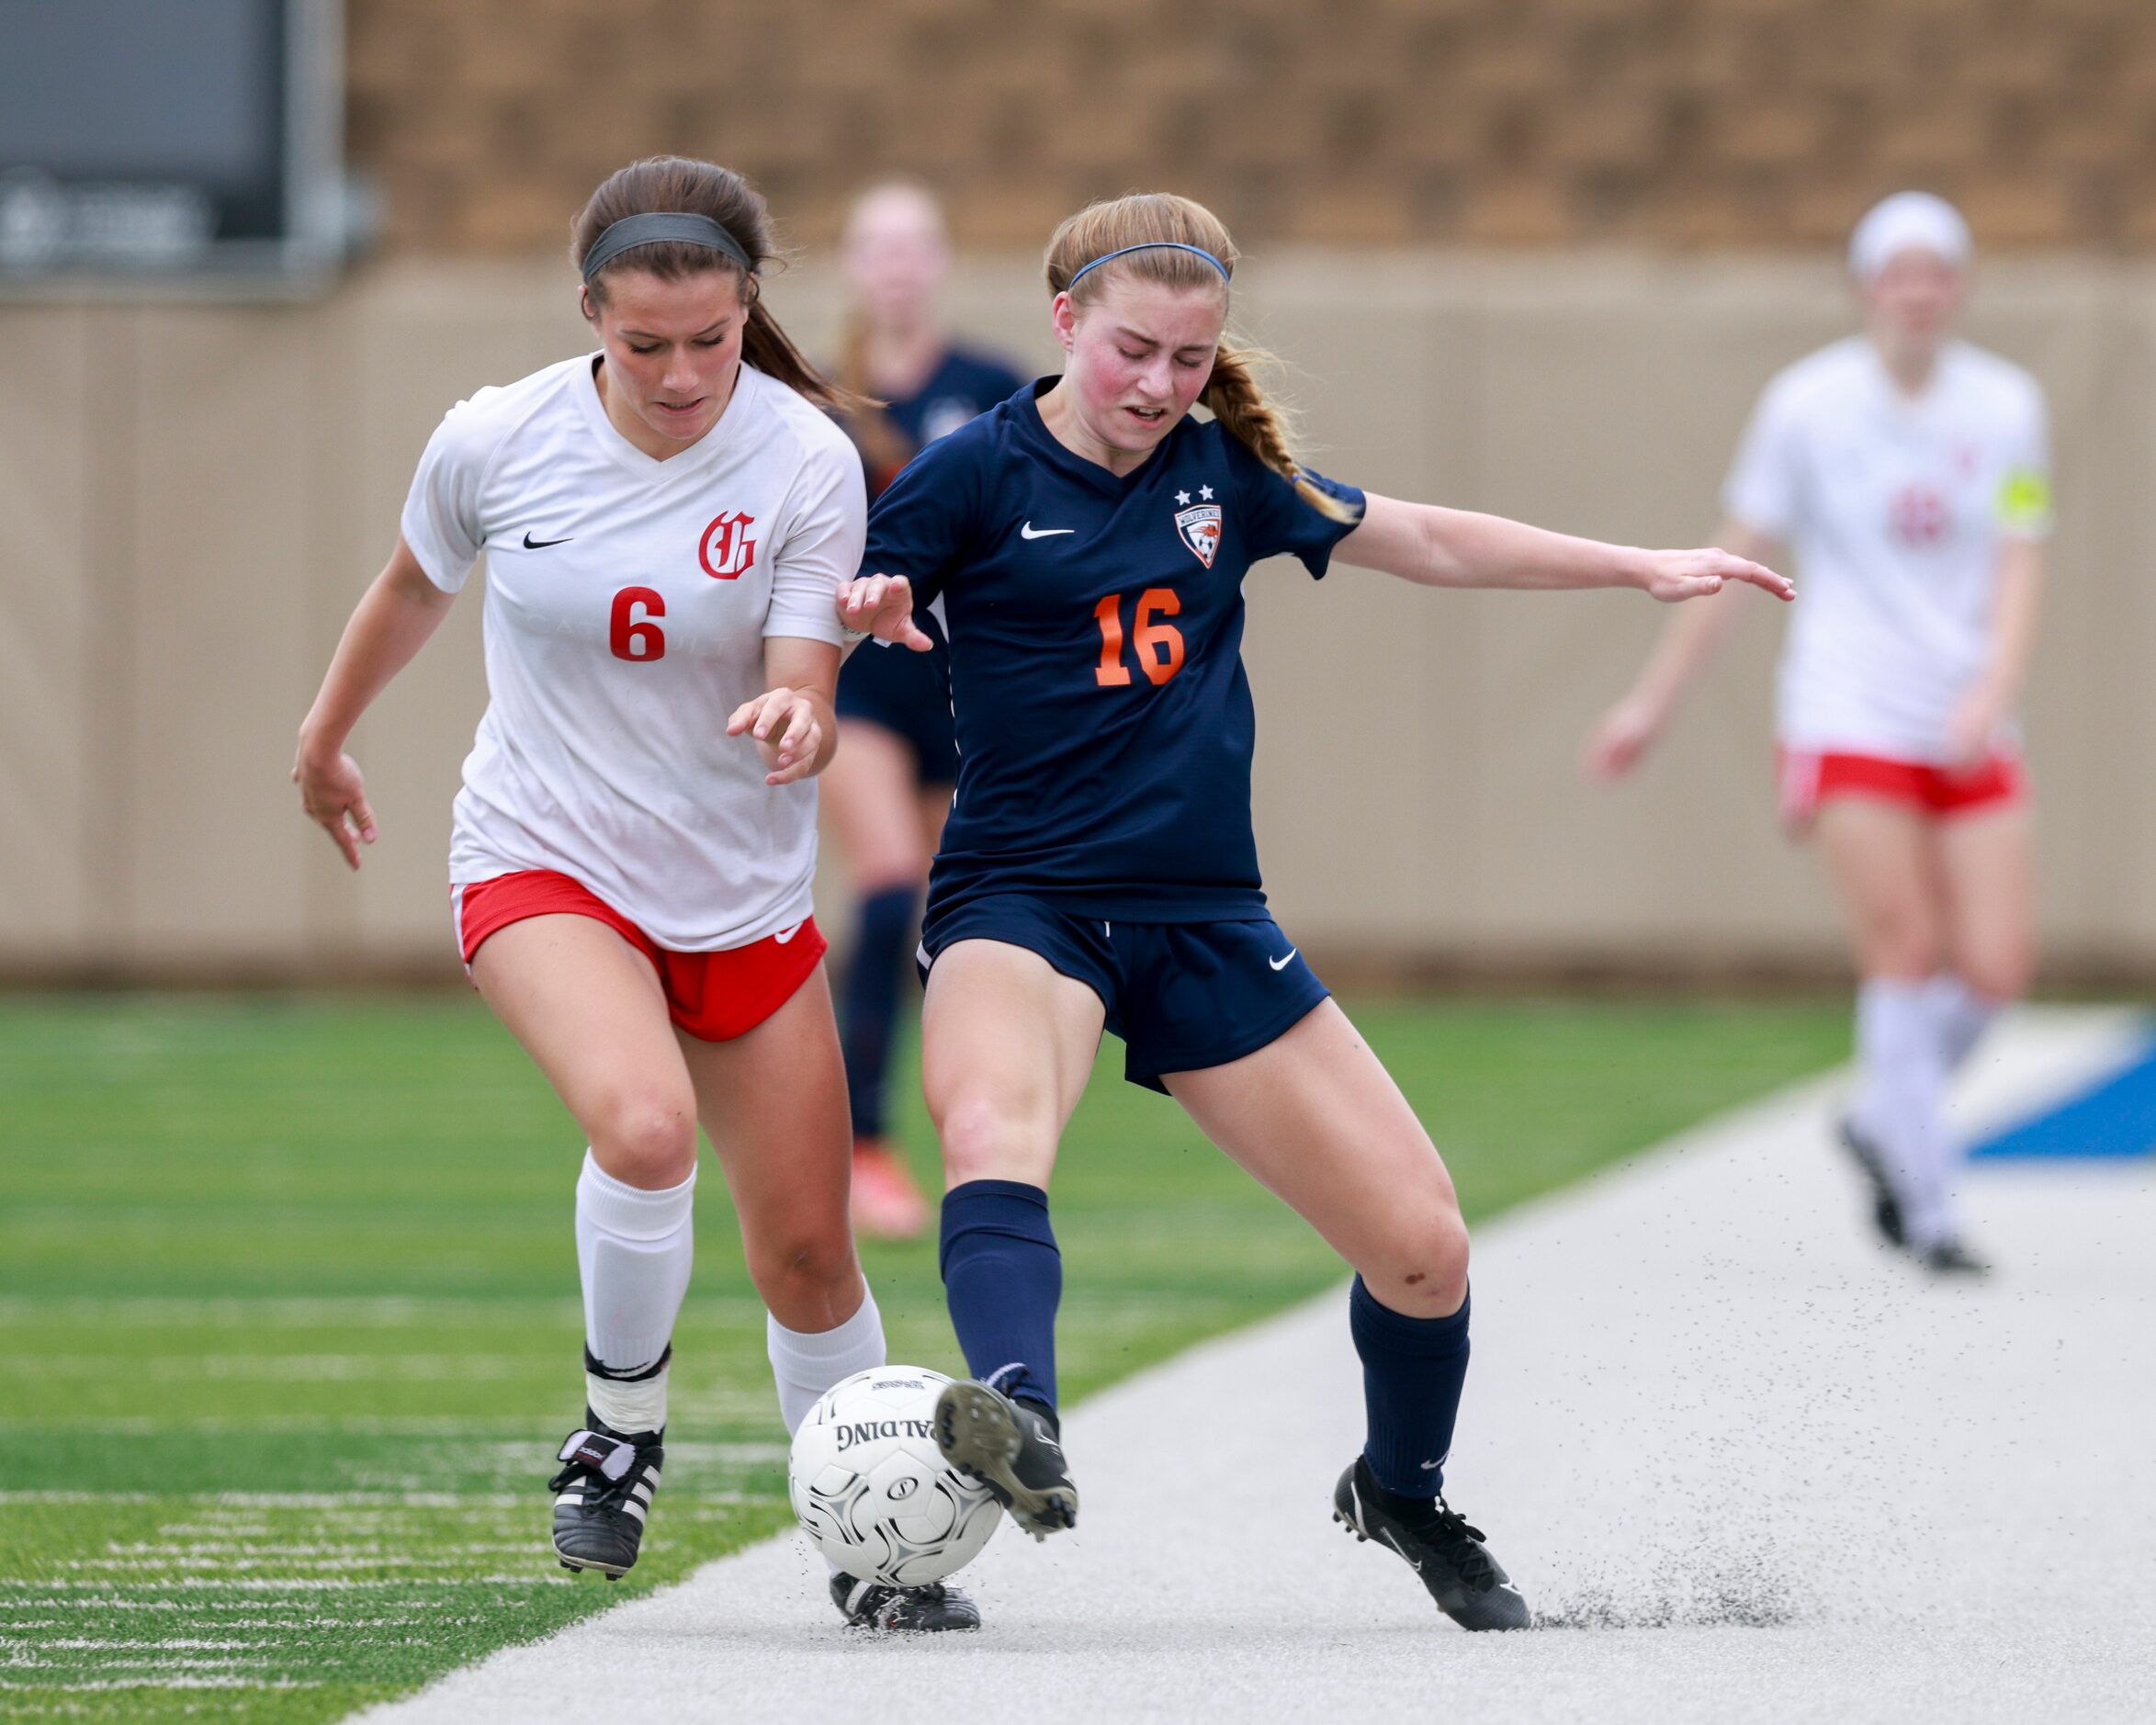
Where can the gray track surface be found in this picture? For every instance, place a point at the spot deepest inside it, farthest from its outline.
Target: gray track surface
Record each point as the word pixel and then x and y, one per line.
pixel 1746 1465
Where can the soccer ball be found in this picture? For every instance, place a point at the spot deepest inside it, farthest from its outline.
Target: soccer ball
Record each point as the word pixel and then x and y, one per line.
pixel 872 1490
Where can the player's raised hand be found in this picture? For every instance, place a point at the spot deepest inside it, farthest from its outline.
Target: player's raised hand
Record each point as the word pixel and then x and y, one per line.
pixel 882 605
pixel 334 797
pixel 787 733
pixel 1671 576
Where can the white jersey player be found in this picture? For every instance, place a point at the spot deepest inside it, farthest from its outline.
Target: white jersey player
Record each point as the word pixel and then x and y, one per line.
pixel 667 522
pixel 1910 473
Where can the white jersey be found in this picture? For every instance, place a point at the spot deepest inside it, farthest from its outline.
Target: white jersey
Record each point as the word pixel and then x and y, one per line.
pixel 628 603
pixel 1896 510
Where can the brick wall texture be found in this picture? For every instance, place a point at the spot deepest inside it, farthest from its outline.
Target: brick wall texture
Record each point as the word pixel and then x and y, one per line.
pixel 1697 123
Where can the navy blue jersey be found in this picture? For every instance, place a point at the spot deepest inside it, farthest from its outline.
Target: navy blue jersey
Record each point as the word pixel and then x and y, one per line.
pixel 962 385
pixel 1094 629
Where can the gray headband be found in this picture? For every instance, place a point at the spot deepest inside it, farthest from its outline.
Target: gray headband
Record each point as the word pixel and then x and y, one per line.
pixel 656 227
pixel 1147 246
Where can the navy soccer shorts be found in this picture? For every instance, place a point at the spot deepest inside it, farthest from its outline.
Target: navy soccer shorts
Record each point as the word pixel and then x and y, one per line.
pixel 903 691
pixel 1183 996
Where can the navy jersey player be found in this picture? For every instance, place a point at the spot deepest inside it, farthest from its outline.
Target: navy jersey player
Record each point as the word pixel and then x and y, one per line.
pixel 888 789
pixel 1084 548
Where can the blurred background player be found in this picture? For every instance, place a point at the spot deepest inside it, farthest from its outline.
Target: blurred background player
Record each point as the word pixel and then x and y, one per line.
pixel 635 842
pixel 887 792
pixel 1909 472
pixel 1087 541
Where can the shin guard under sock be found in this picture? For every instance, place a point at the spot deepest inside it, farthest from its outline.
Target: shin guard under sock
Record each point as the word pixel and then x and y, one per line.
pixel 1413 1369
pixel 1003 1278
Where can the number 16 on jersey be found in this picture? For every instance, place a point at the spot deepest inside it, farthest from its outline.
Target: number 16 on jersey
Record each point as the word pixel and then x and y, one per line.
pixel 1159 646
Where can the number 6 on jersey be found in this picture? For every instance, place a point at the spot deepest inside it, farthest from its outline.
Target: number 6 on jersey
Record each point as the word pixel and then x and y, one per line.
pixel 635 638
pixel 1159 645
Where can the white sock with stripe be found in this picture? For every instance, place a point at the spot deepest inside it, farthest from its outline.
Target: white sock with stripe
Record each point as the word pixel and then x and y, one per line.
pixel 635 1249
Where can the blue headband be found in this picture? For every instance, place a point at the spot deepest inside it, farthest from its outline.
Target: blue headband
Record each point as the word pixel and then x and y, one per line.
pixel 1148 245
pixel 656 227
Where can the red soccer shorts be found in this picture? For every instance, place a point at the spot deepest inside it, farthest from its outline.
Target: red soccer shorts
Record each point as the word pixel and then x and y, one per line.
pixel 1808 781
pixel 715 996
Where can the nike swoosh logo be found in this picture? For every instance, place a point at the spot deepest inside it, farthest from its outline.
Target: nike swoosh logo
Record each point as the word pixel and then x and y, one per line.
pixel 531 544
pixel 1428 1465
pixel 783 935
pixel 1030 532
pixel 1281 963
pixel 1402 1551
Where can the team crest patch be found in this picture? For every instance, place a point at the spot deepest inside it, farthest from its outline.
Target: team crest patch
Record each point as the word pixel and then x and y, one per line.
pixel 726 551
pixel 1200 531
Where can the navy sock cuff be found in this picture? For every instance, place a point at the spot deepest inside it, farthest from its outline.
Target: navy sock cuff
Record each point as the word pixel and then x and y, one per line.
pixel 1010 1208
pixel 1426 1337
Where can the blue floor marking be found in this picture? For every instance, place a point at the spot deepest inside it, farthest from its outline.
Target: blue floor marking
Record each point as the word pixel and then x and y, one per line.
pixel 2111 1120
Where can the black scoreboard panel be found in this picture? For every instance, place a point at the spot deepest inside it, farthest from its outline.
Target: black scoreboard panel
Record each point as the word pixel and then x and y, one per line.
pixel 160 136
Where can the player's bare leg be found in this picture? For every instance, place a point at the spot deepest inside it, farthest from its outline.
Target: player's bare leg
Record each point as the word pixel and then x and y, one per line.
pixel 588 1009
pixel 773 1101
pixel 1987 862
pixel 1314 1116
pixel 1008 1043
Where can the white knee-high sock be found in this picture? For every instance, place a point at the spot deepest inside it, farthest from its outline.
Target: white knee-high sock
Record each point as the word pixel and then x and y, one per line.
pixel 807 1363
pixel 635 1248
pixel 1960 1015
pixel 1901 1102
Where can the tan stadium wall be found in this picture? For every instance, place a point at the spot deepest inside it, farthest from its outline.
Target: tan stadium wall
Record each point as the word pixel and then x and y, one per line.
pixel 1703 123
pixel 191 498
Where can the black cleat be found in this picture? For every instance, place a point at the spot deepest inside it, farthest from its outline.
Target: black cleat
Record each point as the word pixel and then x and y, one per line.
pixel 1886 1209
pixel 903 1610
pixel 1468 1584
pixel 1012 1447
pixel 602 1495
pixel 1951 1257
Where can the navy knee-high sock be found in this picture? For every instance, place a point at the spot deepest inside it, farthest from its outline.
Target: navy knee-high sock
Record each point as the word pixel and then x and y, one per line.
pixel 1003 1279
pixel 1412 1372
pixel 870 1009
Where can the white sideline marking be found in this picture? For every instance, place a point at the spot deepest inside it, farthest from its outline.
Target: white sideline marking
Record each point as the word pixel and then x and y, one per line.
pixel 1771 1471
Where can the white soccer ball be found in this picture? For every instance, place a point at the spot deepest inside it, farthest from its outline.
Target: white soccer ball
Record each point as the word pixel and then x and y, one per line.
pixel 872 1492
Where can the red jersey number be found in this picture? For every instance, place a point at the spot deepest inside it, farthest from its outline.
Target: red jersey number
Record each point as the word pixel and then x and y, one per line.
pixel 632 637
pixel 1159 646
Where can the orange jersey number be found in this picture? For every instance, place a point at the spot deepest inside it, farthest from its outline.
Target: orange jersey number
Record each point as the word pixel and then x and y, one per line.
pixel 1159 645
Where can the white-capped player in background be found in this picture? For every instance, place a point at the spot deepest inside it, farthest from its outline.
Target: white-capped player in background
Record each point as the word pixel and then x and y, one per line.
pixel 666 522
pixel 1910 473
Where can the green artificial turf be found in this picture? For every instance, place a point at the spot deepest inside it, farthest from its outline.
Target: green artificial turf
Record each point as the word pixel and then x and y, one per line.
pixel 289 1326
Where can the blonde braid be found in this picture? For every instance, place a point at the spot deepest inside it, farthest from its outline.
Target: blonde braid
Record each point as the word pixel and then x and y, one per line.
pixel 1237 401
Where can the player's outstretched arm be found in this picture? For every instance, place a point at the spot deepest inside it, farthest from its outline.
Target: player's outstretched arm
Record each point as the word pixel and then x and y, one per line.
pixel 1689 640
pixel 393 622
pixel 792 723
pixel 1457 548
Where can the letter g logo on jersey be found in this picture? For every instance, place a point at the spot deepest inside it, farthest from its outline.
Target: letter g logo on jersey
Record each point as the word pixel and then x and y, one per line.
pixel 728 552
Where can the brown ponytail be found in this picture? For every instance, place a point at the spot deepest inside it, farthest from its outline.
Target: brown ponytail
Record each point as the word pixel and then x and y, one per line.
pixel 676 184
pixel 1233 394
pixel 884 447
